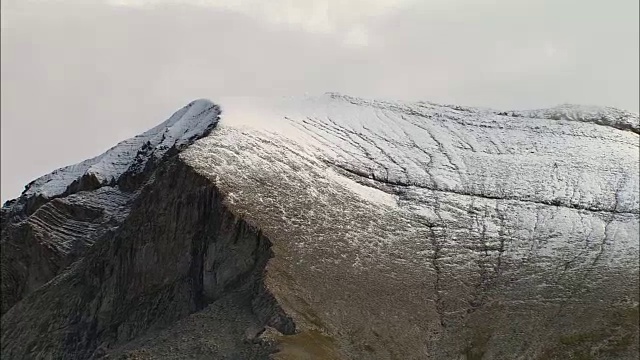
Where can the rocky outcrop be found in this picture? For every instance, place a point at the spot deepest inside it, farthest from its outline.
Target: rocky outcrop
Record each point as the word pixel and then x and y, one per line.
pixel 61 214
pixel 339 228
pixel 177 251
pixel 34 251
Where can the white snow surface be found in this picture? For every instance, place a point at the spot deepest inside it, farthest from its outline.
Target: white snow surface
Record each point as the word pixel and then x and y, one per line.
pixel 536 186
pixel 181 128
pixel 608 116
pixel 560 155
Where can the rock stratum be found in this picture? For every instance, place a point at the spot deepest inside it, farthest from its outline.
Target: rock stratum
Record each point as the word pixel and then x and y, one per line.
pixel 334 227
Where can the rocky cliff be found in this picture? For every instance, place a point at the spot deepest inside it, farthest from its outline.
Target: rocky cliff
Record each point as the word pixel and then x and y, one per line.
pixel 334 227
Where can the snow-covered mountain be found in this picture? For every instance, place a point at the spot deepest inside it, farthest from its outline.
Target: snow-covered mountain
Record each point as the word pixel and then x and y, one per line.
pixel 334 227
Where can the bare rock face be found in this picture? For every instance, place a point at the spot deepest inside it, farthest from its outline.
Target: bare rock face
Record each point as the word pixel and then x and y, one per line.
pixel 334 227
pixel 61 214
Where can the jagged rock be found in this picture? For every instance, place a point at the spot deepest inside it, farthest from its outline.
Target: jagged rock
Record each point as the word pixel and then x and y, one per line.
pixel 355 229
pixel 60 214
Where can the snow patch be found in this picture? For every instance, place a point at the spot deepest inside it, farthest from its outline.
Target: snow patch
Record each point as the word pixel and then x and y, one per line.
pixel 365 192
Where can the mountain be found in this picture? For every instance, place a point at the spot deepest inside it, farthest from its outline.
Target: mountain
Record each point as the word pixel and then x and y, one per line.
pixel 334 227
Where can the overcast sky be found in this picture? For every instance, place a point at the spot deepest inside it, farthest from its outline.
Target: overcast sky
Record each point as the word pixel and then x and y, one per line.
pixel 79 76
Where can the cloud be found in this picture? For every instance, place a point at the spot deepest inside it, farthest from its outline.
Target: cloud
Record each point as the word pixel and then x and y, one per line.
pixel 357 36
pixel 344 18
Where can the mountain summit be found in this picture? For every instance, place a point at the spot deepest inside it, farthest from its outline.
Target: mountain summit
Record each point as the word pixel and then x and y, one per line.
pixel 334 227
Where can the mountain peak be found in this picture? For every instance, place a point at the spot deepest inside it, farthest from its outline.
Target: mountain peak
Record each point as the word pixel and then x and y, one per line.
pixel 130 156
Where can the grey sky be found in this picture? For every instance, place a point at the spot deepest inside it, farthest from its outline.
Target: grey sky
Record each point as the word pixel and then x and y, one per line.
pixel 78 76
